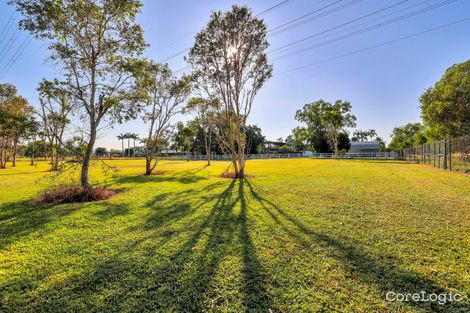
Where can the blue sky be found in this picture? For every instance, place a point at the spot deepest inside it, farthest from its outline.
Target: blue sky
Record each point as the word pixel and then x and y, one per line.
pixel 382 84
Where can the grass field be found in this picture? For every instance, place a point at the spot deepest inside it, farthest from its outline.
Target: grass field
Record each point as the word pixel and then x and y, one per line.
pixel 300 235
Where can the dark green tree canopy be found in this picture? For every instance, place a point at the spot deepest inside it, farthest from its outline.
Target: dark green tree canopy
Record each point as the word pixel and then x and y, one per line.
pixel 325 125
pixel 364 135
pixel 407 136
pixel 445 107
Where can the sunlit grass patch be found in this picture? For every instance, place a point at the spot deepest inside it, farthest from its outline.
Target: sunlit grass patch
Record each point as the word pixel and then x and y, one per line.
pixel 301 235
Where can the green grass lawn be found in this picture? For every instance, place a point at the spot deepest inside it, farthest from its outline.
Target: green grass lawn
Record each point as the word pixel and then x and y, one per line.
pixel 300 235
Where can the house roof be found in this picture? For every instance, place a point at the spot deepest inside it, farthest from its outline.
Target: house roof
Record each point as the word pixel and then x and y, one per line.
pixel 366 144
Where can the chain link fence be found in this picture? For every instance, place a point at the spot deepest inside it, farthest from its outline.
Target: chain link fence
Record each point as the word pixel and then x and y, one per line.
pixel 451 154
pixel 366 155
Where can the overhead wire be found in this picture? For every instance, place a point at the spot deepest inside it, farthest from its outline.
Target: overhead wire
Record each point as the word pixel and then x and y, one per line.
pixel 376 45
pixel 355 33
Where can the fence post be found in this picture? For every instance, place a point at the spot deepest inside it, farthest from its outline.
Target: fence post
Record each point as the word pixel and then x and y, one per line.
pixel 450 155
pixel 445 155
pixel 439 155
pixel 434 154
pixel 422 154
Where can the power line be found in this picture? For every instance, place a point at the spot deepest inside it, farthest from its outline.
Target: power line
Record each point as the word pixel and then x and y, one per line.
pixel 374 20
pixel 274 7
pixel 9 44
pixel 7 27
pixel 379 25
pixel 16 55
pixel 376 45
pixel 270 9
pixel 287 26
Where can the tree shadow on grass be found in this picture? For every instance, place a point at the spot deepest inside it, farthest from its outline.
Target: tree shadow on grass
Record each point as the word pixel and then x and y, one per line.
pixel 139 277
pixel 256 298
pixel 367 268
pixel 183 178
pixel 19 219
pixel 112 210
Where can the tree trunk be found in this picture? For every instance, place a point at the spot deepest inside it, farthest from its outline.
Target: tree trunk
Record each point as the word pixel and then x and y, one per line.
pixel 3 158
pixel 87 157
pixel 128 148
pixel 45 149
pixel 148 165
pixel 208 149
pixel 53 165
pixel 32 153
pixel 15 150
pixel 240 155
pixel 241 164
pixel 336 149
pixel 122 150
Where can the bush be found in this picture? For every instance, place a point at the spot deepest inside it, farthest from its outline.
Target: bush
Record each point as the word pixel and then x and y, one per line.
pixel 73 193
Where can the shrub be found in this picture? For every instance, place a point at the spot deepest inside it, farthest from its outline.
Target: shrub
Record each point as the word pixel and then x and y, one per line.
pixel 74 193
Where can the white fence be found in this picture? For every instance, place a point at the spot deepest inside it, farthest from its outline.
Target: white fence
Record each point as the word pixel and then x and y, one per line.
pixel 381 155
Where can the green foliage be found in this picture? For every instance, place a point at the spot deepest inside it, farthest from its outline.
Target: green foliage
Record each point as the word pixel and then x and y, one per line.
pixel 383 146
pixel 364 135
pixel 407 136
pixel 230 66
pixel 16 122
pixel 445 107
pixel 101 151
pixel 325 123
pixel 96 43
pixel 255 139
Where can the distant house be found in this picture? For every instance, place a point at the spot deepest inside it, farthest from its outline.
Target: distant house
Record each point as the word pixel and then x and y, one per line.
pixel 272 146
pixel 364 147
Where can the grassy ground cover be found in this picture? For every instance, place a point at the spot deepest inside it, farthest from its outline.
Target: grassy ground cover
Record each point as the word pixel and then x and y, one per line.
pixel 301 235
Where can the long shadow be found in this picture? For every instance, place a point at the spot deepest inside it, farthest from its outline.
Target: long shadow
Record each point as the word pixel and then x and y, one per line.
pixel 19 219
pixel 191 295
pixel 371 270
pixel 256 298
pixel 184 178
pixel 139 278
pixel 140 284
pixel 112 210
pixel 170 207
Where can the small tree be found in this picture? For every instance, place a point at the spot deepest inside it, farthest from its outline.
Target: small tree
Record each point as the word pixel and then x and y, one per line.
pixel 325 123
pixel 313 134
pixel 230 66
pixel 336 118
pixel 364 135
pixel 184 136
pixel 55 109
pixel 15 117
pixel 162 96
pixel 95 42
pixel 407 136
pixel 121 137
pixel 204 110
pixel 101 151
